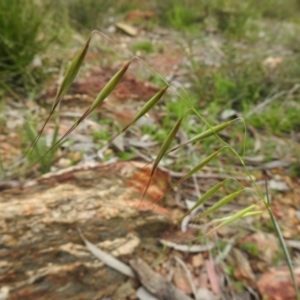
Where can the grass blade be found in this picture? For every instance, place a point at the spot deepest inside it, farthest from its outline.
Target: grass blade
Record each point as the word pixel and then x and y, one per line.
pixel 108 88
pixel 240 214
pixel 221 203
pixel 192 172
pixel 205 196
pixel 203 163
pixel 45 162
pixel 141 113
pixel 205 134
pixel 165 146
pixel 145 109
pixel 285 251
pixel 72 71
pixel 252 213
pixel 67 82
pixel 282 244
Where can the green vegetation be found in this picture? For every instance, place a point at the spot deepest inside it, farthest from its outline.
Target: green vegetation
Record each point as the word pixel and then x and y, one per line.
pixel 143 46
pixel 26 31
pixel 251 248
pixel 260 87
pixel 87 15
pixel 40 148
pixel 240 56
pixel 101 135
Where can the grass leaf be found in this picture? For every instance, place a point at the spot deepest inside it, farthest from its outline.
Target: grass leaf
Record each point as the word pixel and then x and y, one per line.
pixel 141 113
pixel 108 88
pixel 67 82
pixel 283 244
pixel 72 72
pixel 165 146
pixel 192 172
pixel 236 216
pixel 207 133
pixel 221 203
pixel 45 161
pixel 145 109
pixel 198 167
pixel 205 196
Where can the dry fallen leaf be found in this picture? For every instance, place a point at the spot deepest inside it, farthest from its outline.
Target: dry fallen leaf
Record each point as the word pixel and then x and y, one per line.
pixel 128 29
pixel 212 276
pixel 242 268
pixel 108 259
pixel 277 284
pixel 181 281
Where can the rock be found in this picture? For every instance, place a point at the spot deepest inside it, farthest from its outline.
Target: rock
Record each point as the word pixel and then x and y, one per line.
pixel 277 284
pixel 41 253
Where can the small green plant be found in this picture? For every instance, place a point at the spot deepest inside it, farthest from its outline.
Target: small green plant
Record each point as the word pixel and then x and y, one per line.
pixel 233 17
pixel 87 14
pixel 251 248
pixel 168 145
pixel 233 83
pixel 40 148
pixel 23 36
pixel 279 117
pixel 294 170
pixel 143 46
pixel 126 155
pixel 180 16
pixel 101 135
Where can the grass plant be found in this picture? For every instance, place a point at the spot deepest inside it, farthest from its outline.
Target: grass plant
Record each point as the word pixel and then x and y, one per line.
pixel 85 15
pixel 241 82
pixel 143 46
pixel 166 147
pixel 26 31
pixel 46 161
